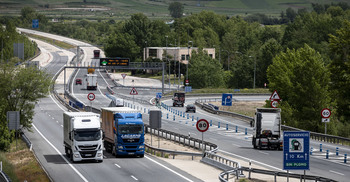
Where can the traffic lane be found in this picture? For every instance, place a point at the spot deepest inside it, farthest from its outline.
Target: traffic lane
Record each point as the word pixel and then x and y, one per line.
pixel 148 168
pixel 48 156
pixel 45 123
pixel 243 149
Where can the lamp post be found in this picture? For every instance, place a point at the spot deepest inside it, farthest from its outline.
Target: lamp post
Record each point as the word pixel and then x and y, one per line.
pixel 174 63
pixel 166 56
pixel 189 58
pixel 254 71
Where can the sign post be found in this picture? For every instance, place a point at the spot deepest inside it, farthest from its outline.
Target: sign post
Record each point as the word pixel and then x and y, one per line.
pixel 123 75
pixel 91 97
pixel 325 113
pixel 202 126
pixel 133 92
pixel 296 149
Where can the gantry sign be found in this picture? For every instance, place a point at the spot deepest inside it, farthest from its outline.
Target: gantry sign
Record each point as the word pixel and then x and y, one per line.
pixel 114 61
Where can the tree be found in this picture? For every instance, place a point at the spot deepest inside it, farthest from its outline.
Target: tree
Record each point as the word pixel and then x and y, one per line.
pixel 301 79
pixel 176 9
pixel 121 45
pixel 205 72
pixel 340 70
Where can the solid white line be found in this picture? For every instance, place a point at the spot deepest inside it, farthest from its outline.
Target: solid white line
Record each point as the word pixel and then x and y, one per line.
pixel 168 169
pixel 134 178
pixel 336 172
pixel 117 165
pixel 75 170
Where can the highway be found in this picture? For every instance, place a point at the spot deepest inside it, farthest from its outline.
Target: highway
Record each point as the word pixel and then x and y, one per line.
pixel 47 140
pixel 48 143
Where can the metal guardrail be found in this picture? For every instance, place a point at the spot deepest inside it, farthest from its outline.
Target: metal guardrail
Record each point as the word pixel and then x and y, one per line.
pixel 3 175
pixel 313 135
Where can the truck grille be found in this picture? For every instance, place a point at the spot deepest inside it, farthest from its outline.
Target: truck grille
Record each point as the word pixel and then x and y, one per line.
pixel 88 154
pixel 131 140
pixel 91 147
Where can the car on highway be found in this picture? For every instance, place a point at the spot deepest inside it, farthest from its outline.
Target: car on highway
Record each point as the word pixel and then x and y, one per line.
pixel 78 81
pixel 191 108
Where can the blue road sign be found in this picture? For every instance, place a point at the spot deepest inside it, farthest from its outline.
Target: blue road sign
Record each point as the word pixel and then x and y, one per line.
pixel 188 89
pixel 296 150
pixel 159 95
pixel 226 99
pixel 35 23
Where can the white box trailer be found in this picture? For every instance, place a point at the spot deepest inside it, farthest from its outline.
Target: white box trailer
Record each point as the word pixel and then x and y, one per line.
pixel 83 136
pixel 267 129
pixel 90 81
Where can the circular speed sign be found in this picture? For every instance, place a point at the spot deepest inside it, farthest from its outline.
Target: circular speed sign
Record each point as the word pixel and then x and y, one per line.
pixel 326 113
pixel 91 96
pixel 202 125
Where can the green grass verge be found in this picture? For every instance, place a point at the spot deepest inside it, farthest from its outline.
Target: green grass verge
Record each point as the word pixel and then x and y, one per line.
pixel 52 41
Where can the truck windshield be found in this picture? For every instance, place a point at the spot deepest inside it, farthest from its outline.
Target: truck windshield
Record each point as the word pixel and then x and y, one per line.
pixel 130 129
pixel 87 135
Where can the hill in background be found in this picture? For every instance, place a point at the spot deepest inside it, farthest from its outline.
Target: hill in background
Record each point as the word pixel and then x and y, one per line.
pixel 157 9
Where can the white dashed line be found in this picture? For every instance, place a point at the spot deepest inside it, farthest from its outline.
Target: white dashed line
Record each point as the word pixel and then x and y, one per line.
pixel 133 177
pixel 336 172
pixel 117 165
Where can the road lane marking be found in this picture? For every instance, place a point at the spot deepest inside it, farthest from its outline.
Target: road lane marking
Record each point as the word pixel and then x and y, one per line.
pixel 236 145
pixel 75 170
pixel 62 126
pixel 168 169
pixel 133 177
pixel 264 153
pixel 117 165
pixel 336 172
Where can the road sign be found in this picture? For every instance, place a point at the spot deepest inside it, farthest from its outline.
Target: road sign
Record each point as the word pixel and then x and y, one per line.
pixel 202 125
pixel 114 61
pixel 133 91
pixel 274 103
pixel 296 150
pixel 275 96
pixel 187 82
pixel 326 120
pixel 35 23
pixel 159 95
pixel 91 96
pixel 226 99
pixel 188 88
pixel 326 113
pixel 123 75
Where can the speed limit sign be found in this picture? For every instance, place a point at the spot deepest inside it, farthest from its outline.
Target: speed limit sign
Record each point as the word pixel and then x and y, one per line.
pixel 326 113
pixel 202 125
pixel 91 96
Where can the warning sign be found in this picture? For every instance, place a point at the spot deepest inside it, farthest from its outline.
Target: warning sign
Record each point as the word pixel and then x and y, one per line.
pixel 275 96
pixel 133 91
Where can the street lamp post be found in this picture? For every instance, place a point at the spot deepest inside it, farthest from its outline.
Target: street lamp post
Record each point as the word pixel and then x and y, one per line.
pixel 166 56
pixel 254 71
pixel 189 58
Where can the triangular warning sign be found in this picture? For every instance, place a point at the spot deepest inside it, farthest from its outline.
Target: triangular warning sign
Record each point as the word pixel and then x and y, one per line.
pixel 275 96
pixel 133 91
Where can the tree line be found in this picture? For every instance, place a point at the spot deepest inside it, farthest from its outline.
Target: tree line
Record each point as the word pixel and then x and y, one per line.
pixel 304 57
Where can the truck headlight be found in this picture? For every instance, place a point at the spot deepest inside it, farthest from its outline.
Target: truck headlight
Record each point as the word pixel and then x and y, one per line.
pixel 141 147
pixel 76 155
pixel 120 147
pixel 99 155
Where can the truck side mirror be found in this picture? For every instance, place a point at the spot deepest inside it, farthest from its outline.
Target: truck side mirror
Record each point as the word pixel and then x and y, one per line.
pixel 70 135
pixel 103 134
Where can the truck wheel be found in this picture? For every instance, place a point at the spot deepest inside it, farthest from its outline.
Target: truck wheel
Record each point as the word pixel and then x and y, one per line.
pixel 260 147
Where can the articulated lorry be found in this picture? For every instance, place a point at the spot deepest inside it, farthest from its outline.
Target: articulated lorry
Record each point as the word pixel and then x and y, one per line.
pixel 82 136
pixel 267 129
pixel 124 131
pixel 179 99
